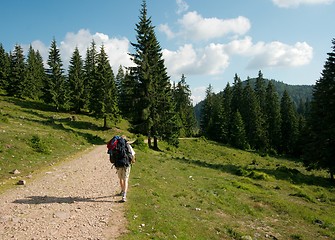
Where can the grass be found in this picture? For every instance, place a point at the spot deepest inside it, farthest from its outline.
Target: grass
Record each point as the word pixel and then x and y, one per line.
pixel 33 136
pixel 201 190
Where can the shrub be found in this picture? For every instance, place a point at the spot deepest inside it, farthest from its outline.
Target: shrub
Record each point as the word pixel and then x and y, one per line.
pixel 38 145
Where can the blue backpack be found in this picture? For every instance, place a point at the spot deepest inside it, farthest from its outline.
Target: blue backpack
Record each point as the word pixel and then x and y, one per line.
pixel 119 152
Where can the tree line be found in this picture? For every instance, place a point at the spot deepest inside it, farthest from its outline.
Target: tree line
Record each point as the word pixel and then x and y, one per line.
pixel 243 116
pixel 143 94
pixel 254 117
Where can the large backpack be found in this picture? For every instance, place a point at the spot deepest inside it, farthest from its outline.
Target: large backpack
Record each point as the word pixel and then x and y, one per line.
pixel 119 153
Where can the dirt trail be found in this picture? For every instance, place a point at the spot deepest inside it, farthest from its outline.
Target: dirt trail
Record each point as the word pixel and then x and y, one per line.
pixel 74 200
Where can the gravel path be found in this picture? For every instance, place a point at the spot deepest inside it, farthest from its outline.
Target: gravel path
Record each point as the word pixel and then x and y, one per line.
pixel 74 200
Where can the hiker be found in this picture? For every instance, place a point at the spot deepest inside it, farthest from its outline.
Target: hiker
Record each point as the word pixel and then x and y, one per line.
pixel 122 155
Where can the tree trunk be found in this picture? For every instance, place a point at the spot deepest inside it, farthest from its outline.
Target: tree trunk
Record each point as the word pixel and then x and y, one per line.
pixel 149 141
pixel 105 122
pixel 155 143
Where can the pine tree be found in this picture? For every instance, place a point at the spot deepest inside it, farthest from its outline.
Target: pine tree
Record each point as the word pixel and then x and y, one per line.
pixel 238 135
pixel 320 146
pixel 227 115
pixel 76 82
pixel 103 102
pixel 155 115
pixel 206 120
pixel 184 108
pixel 260 89
pixel 90 71
pixel 289 124
pixel 4 68
pixel 16 75
pixel 251 114
pixel 237 97
pixel 127 97
pixel 119 79
pixel 35 75
pixel 56 86
pixel 273 117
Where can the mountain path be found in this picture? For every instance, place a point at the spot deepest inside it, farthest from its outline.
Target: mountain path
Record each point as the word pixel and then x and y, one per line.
pixel 76 199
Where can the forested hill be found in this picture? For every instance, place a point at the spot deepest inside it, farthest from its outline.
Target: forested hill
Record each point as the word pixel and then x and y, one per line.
pixel 297 92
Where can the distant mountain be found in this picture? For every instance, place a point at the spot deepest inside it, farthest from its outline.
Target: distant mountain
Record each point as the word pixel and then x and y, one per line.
pixel 297 92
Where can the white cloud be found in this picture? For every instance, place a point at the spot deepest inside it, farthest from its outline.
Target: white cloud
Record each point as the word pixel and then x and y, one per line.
pixel 277 54
pixel 296 3
pixel 117 49
pixel 186 60
pixel 195 27
pixel 182 6
pixel 198 94
pixel 166 29
pixel 213 59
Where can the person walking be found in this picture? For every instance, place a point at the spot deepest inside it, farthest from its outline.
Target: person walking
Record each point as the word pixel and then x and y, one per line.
pixel 122 155
pixel 124 173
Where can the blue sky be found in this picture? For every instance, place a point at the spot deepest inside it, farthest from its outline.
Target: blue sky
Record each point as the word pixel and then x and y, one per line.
pixel 207 40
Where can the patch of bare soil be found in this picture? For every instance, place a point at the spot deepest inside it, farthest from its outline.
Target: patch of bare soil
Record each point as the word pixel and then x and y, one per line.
pixel 74 200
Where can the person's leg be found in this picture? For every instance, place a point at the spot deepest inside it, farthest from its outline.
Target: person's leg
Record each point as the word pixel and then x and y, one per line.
pixel 120 173
pixel 125 183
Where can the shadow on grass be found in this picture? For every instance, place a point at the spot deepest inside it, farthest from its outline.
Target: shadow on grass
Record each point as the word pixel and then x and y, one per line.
pixel 228 168
pixel 281 173
pixel 51 199
pixel 73 126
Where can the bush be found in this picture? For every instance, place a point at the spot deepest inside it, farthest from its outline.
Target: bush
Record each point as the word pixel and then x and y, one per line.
pixel 38 145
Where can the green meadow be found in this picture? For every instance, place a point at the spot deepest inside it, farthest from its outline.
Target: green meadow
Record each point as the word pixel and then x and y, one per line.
pixel 201 190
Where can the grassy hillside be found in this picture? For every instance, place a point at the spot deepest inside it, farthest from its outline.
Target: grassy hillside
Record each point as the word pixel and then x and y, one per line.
pixel 32 136
pixel 207 191
pixel 202 190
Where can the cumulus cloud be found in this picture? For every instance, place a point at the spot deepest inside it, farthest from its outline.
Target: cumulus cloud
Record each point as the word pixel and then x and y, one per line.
pixel 187 60
pixel 182 6
pixel 296 3
pixel 117 49
pixel 167 30
pixel 277 54
pixel 213 59
pixel 194 27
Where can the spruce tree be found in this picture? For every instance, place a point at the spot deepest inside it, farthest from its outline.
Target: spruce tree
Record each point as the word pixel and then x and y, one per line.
pixel 260 89
pixel 15 86
pixel 155 115
pixel 90 71
pixel 273 117
pixel 184 108
pixel 206 119
pixel 35 75
pixel 4 68
pixel 238 136
pixel 76 82
pixel 103 102
pixel 252 118
pixel 56 86
pixel 289 124
pixel 227 115
pixel 237 97
pixel 320 146
pixel 119 79
pixel 127 97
